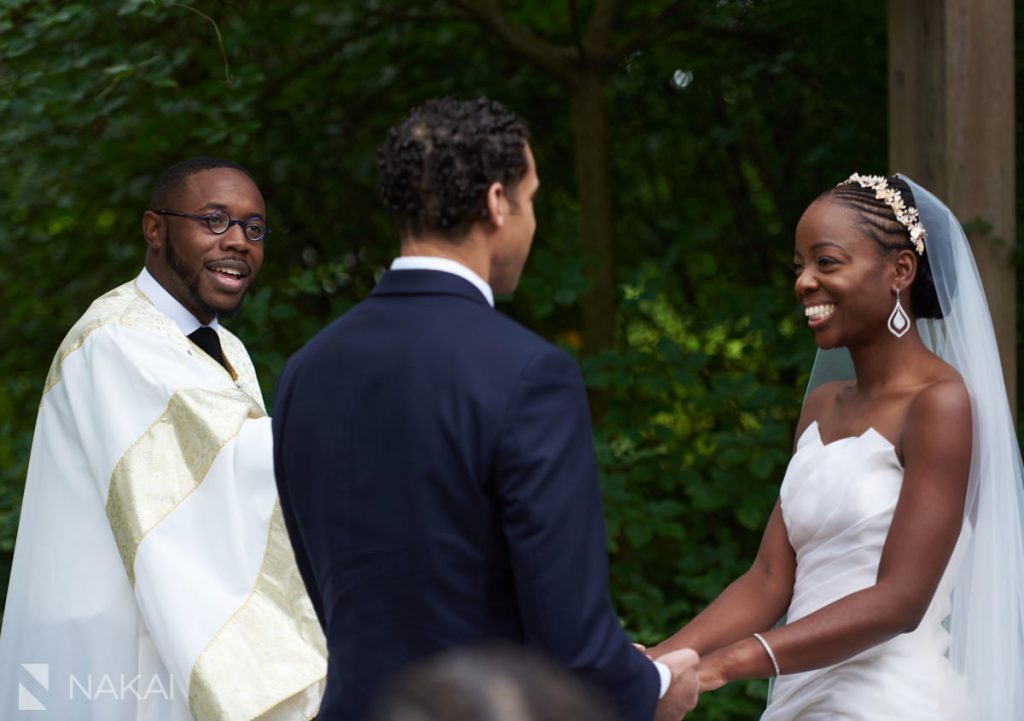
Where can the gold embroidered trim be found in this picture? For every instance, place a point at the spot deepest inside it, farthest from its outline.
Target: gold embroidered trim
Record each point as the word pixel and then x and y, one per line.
pixel 129 306
pixel 236 354
pixel 104 309
pixel 269 660
pixel 169 461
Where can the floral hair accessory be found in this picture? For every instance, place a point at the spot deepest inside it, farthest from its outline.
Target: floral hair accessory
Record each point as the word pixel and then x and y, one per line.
pixel 908 217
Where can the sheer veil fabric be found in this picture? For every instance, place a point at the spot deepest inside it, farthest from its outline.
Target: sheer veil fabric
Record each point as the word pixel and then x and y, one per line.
pixel 987 620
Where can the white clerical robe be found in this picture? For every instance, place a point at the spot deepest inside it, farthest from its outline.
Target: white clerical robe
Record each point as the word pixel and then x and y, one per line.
pixel 152 576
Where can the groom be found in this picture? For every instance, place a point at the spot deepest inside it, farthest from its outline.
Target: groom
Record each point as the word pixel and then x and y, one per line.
pixel 434 458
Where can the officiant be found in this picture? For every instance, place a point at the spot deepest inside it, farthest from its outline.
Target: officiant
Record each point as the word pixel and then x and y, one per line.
pixel 152 574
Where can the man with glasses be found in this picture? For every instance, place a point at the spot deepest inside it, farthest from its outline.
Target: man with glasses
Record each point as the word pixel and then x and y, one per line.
pixel 152 574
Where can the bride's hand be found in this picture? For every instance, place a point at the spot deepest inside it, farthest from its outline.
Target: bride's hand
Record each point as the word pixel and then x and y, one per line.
pixel 651 653
pixel 710 675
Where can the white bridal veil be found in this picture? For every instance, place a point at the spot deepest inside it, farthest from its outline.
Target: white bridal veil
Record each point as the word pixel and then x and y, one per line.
pixel 987 620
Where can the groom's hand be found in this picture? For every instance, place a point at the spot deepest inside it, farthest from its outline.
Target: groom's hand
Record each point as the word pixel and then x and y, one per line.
pixel 682 693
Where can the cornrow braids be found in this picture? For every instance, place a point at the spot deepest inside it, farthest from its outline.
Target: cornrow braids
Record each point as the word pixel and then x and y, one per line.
pixel 880 224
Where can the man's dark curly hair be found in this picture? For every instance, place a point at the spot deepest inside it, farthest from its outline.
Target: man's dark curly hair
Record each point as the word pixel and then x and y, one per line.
pixel 437 165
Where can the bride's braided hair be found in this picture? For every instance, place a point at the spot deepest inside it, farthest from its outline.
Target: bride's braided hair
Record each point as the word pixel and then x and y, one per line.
pixel 880 224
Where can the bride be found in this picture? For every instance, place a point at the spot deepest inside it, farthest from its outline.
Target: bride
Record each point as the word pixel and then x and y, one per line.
pixel 895 551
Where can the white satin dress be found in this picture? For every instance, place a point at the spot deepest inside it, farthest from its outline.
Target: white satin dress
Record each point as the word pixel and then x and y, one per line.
pixel 837 502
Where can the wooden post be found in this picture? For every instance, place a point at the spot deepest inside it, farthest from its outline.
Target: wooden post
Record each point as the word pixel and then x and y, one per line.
pixel 951 129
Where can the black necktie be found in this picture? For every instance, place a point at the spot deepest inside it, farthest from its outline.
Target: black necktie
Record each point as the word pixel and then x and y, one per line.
pixel 206 338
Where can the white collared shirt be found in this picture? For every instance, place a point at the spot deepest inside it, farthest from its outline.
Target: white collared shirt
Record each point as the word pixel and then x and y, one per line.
pixel 168 304
pixel 445 265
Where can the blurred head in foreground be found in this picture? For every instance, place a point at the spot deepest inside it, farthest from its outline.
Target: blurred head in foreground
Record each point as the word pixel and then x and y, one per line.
pixel 490 683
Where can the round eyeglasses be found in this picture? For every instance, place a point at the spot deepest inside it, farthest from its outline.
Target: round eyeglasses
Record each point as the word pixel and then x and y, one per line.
pixel 254 227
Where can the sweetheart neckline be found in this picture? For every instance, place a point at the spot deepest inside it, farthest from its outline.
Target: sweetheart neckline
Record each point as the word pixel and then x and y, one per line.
pixel 868 430
pixel 817 430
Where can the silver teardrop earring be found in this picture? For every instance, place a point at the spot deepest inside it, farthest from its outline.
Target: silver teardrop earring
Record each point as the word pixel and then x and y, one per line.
pixel 899 321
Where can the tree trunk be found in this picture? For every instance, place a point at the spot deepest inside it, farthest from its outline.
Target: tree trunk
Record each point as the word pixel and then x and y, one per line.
pixel 593 178
pixel 951 117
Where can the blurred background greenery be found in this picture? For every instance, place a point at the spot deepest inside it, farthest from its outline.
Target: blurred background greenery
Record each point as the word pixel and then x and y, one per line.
pixel 677 142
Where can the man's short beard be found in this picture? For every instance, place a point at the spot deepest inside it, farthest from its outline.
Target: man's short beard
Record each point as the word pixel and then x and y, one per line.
pixel 192 283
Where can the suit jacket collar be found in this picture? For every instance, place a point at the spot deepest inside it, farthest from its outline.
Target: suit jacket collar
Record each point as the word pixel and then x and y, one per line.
pixel 426 282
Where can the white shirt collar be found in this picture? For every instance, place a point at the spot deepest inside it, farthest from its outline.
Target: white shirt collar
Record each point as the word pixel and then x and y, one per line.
pixel 445 265
pixel 168 304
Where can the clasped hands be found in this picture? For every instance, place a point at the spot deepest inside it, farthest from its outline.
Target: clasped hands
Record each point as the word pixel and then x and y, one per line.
pixel 691 676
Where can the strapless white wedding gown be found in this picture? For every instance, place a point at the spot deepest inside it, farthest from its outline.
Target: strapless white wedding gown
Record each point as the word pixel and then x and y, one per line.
pixel 837 502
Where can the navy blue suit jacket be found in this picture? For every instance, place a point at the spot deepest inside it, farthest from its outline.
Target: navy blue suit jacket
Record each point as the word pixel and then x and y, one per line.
pixel 438 480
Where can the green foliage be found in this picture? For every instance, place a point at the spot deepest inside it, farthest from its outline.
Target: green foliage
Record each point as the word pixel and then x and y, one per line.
pixel 693 446
pixel 721 133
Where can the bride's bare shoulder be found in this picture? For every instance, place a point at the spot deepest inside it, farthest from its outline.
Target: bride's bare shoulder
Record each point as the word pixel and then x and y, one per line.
pixel 943 399
pixel 938 423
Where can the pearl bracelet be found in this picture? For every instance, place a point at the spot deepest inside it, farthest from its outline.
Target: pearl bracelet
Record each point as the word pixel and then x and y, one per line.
pixel 768 650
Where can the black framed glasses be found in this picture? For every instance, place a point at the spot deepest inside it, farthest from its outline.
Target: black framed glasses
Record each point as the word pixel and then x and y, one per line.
pixel 254 227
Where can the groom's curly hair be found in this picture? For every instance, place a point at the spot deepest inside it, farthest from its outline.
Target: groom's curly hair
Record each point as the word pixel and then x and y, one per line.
pixel 437 165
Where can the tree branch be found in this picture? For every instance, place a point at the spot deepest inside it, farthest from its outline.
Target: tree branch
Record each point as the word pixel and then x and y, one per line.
pixel 216 29
pixel 372 23
pixel 574 24
pixel 646 35
pixel 488 14
pixel 601 21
